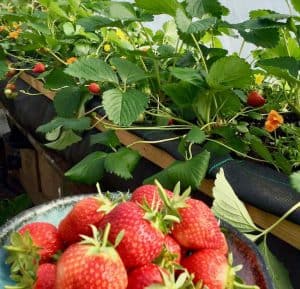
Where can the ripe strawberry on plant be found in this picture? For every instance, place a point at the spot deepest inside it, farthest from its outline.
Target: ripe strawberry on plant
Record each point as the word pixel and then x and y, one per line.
pixel 10 86
pixel 149 194
pixel 46 275
pixel 211 267
pixel 142 241
pixel 39 68
pixel 198 227
pixel 255 99
pixel 44 237
pixel 94 88
pixel 93 263
pixel 86 212
pixel 144 276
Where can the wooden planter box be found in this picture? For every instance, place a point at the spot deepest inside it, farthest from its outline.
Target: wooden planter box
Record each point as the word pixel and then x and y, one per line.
pixel 287 230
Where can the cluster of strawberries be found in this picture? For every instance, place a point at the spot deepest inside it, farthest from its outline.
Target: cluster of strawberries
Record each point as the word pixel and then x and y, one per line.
pixel 156 239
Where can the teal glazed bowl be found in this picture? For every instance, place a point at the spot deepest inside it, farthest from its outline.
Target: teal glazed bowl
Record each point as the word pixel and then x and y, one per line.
pixel 244 251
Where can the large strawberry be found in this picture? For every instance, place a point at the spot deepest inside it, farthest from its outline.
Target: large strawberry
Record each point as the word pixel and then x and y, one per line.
pixel 150 195
pixel 142 242
pixel 45 238
pixel 88 211
pixel 144 276
pixel 46 275
pixel 198 227
pixel 211 267
pixel 91 264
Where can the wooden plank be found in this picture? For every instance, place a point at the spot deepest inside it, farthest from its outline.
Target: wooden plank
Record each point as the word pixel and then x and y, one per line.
pixel 286 230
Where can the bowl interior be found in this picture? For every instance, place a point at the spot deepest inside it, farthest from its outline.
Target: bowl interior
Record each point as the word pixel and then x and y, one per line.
pixel 244 251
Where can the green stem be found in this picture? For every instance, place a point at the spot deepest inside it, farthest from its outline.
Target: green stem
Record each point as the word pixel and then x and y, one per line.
pixel 238 285
pixel 290 211
pixel 289 7
pixel 236 151
pixel 242 47
pixel 105 235
pixel 57 57
pixel 286 44
pixel 14 249
pixel 200 52
pixel 168 116
pixel 154 141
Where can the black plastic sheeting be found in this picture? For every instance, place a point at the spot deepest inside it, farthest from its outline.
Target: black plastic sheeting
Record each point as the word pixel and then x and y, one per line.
pixel 256 184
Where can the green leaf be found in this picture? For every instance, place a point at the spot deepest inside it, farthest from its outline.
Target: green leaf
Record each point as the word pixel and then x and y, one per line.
pixel 282 162
pixel 122 163
pixel 122 11
pixel 3 69
pixel 195 135
pixel 229 72
pixel 186 25
pixel 68 28
pixel 258 147
pixel 77 124
pixel 198 8
pixel 67 102
pixel 189 173
pixel 123 108
pixel 295 181
pixel 92 23
pixel 89 170
pixel 57 79
pixel 159 6
pixel 296 5
pixel 66 139
pixel 187 74
pixel 289 64
pixel 107 138
pixel 278 272
pixel 266 38
pixel 128 71
pixel 92 69
pixel 227 206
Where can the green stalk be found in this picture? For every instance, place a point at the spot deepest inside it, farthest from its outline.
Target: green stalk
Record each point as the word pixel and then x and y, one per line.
pixel 200 52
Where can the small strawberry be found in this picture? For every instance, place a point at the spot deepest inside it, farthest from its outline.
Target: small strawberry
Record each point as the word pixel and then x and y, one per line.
pixel 46 275
pixel 91 264
pixel 11 73
pixel 86 212
pixel 10 86
pixel 46 237
pixel 255 99
pixel 149 194
pixel 173 247
pixel 144 276
pixel 142 242
pixel 10 94
pixel 198 227
pixel 39 68
pixel 94 88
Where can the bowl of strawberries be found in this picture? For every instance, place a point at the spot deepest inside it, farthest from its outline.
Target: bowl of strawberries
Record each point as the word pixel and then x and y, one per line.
pixel 152 238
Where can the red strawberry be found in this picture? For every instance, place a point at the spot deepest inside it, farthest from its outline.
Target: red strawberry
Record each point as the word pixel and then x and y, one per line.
pixel 144 276
pixel 94 88
pixel 45 236
pixel 255 99
pixel 198 228
pixel 86 212
pixel 39 68
pixel 173 247
pixel 149 193
pixel 142 242
pixel 91 265
pixel 211 267
pixel 46 274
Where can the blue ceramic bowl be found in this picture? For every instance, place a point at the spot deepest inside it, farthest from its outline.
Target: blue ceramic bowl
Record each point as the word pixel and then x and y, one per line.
pixel 244 251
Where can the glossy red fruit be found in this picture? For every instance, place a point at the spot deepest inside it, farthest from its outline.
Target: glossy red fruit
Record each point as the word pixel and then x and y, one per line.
pixel 198 228
pixel 255 99
pixel 46 274
pixel 85 213
pixel 149 193
pixel 142 242
pixel 86 266
pixel 39 68
pixel 94 88
pixel 211 267
pixel 45 236
pixel 144 276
